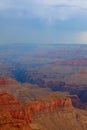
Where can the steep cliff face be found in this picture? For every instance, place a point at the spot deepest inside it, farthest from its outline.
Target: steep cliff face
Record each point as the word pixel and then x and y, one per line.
pixel 54 112
pixel 15 114
pixel 33 109
pixel 7 99
pixel 8 103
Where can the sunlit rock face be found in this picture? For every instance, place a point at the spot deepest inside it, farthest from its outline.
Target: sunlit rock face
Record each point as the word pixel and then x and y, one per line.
pixel 16 114
pixel 9 103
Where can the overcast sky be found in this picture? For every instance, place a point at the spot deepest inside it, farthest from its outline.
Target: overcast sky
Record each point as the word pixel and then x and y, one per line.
pixel 43 21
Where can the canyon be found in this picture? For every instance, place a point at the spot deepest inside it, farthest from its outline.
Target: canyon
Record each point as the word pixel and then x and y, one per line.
pixel 43 87
pixel 17 115
pixel 50 110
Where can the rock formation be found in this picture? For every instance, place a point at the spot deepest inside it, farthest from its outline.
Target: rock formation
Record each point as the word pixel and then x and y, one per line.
pixel 16 114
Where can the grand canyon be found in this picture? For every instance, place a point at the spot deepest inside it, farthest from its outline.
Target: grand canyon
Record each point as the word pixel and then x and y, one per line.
pixel 43 87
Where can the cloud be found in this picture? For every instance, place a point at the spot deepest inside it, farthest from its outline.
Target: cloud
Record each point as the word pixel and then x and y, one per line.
pixel 81 37
pixel 48 10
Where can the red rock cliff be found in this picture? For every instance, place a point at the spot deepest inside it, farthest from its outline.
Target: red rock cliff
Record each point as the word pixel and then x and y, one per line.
pixel 31 109
pixel 13 110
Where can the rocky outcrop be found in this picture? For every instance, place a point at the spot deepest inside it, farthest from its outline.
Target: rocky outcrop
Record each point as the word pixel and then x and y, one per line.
pixel 8 82
pixel 8 103
pixel 23 114
pixel 43 106
pixel 33 109
pixel 76 101
pixel 7 99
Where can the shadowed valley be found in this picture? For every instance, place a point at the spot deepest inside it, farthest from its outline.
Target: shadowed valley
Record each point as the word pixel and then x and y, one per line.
pixel 43 87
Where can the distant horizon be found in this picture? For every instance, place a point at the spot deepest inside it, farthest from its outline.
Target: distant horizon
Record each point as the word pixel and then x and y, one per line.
pixel 43 44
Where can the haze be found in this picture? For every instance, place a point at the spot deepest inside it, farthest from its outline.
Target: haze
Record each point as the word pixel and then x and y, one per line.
pixel 45 21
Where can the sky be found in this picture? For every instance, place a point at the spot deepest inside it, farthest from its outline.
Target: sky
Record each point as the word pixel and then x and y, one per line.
pixel 43 21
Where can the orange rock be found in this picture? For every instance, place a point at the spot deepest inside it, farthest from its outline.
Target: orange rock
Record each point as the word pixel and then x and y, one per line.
pixel 10 107
pixel 7 82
